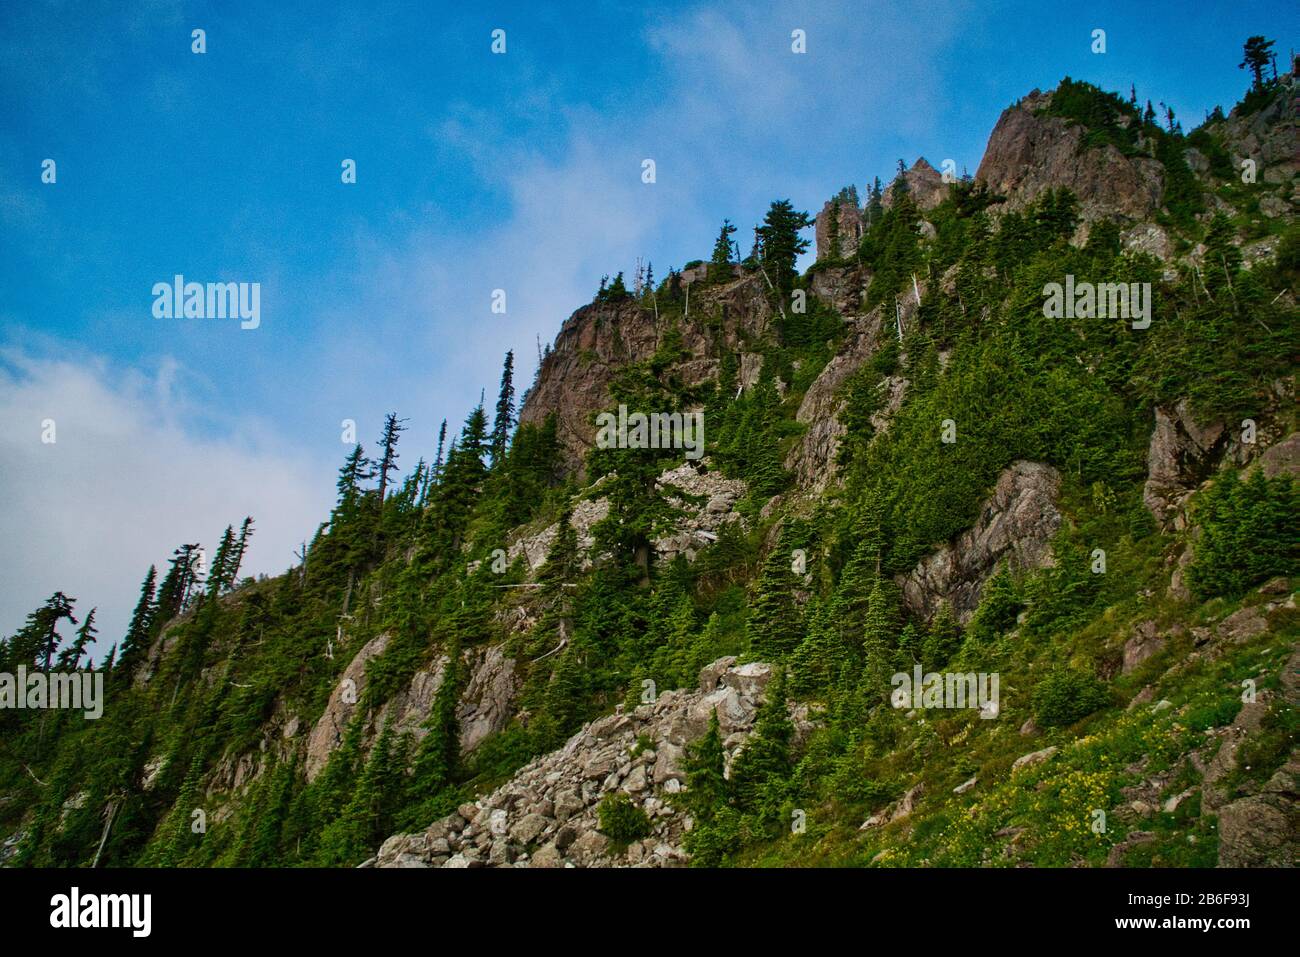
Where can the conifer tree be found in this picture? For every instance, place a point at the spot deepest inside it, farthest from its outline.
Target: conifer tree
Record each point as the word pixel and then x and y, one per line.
pixel 356 469
pixel 220 561
pixel 720 264
pixel 707 789
pixel 439 752
pixel 181 837
pixel 237 553
pixel 504 422
pixel 70 657
pixel 1255 56
pixel 774 627
pixel 140 627
pixel 943 638
pixel 782 244
pixel 438 461
pixel 880 639
pixel 764 764
pixel 393 429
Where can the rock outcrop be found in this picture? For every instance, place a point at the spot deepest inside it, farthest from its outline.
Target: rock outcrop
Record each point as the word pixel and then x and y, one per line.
pixel 327 734
pixel 848 215
pixel 924 182
pixel 487 702
pixel 706 498
pixel 1015 525
pixel 547 814
pixel 1180 456
pixel 813 459
pixel 1030 151
pixel 600 338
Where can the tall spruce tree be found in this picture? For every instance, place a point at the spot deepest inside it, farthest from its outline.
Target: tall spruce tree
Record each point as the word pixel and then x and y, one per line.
pixel 774 626
pixel 139 629
pixel 393 429
pixel 720 264
pixel 70 657
pixel 504 422
pixel 781 242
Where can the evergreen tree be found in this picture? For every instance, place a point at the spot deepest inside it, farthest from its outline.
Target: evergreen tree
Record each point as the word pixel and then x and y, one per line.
pixel 764 764
pixel 438 461
pixel 720 264
pixel 181 837
pixel 220 561
pixel 707 789
pixel 504 422
pixel 774 627
pixel 70 657
pixel 356 470
pixel 138 631
pixel 943 638
pixel 393 429
pixel 439 752
pixel 1255 56
pixel 782 244
pixel 880 639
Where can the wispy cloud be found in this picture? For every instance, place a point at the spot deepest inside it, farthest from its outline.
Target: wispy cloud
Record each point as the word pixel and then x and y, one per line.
pixel 127 480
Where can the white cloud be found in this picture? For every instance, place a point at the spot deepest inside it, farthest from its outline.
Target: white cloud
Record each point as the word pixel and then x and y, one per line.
pixel 127 480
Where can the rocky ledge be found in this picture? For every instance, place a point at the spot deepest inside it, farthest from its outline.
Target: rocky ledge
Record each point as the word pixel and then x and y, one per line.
pixel 547 814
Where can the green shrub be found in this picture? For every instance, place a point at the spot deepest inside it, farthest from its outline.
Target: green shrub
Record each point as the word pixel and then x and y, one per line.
pixel 1248 534
pixel 621 820
pixel 1066 695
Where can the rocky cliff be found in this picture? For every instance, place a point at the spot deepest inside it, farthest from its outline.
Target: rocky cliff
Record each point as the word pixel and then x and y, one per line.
pixel 547 814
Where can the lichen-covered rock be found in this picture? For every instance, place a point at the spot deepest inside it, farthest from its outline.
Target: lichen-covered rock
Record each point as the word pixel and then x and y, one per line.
pixel 1015 525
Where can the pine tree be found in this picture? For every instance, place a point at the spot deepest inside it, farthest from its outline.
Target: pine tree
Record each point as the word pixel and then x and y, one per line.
pixel 504 422
pixel 707 790
pixel 220 561
pixel 393 429
pixel 140 627
pixel 774 627
pixel 880 639
pixel 764 764
pixel 720 264
pixel 438 460
pixel 461 485
pixel 180 838
pixel 1255 56
pixel 57 607
pixel 70 657
pixel 943 638
pixel 356 469
pixel 237 553
pixel 782 244
pixel 439 752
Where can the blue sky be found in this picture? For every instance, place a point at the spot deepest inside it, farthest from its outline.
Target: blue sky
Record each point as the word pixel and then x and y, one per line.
pixel 475 172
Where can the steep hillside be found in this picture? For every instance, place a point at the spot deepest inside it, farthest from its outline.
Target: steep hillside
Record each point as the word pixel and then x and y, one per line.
pixel 546 649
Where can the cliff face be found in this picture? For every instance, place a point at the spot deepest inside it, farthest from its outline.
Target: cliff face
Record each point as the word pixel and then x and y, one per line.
pixel 1029 152
pixel 598 339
